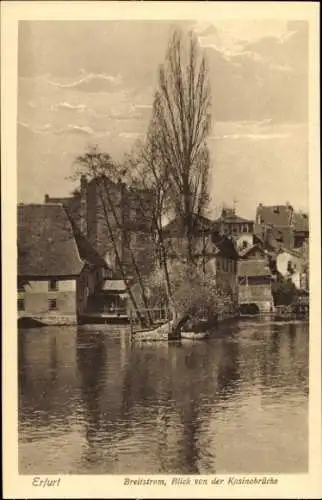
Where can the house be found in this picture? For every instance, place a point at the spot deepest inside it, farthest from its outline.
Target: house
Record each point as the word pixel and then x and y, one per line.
pixel 240 229
pixel 291 265
pixel 58 269
pixel 215 253
pixel 254 284
pixel 282 224
pixel 102 206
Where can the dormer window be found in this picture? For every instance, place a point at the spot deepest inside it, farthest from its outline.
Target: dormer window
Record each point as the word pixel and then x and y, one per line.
pixel 276 210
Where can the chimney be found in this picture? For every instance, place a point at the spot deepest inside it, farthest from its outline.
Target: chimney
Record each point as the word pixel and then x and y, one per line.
pixel 83 205
pixel 46 198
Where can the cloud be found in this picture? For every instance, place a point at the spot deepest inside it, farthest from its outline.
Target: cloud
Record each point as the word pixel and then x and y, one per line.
pixel 68 106
pixel 92 83
pixel 131 135
pixel 143 106
pixel 75 129
pixel 28 128
pixel 252 137
pixel 210 30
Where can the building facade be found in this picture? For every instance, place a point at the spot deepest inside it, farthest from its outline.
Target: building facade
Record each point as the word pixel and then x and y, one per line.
pixel 58 270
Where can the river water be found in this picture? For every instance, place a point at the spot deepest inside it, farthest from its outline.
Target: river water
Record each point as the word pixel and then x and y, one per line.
pixel 92 402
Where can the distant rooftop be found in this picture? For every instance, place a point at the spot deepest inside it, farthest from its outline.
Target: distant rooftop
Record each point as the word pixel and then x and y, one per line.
pixel 229 215
pixel 275 215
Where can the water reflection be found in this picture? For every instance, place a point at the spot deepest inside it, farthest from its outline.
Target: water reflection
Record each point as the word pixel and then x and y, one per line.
pixel 159 407
pixel 91 358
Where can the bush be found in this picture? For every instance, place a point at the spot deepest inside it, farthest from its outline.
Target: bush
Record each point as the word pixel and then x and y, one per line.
pixel 284 292
pixel 193 292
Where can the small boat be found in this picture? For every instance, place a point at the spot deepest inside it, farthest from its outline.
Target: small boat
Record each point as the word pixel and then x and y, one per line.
pixel 194 335
pixel 162 332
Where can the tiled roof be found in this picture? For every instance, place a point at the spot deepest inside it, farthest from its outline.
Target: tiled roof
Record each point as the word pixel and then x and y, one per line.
pixel 71 204
pixel 276 215
pixel 253 268
pixel 48 244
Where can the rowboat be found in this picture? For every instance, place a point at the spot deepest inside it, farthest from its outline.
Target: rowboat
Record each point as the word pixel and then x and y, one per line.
pixel 194 335
pixel 157 333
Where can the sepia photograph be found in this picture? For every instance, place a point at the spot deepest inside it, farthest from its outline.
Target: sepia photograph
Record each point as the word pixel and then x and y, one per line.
pixel 163 232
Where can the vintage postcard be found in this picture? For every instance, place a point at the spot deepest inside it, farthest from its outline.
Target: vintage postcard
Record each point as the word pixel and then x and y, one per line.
pixel 161 250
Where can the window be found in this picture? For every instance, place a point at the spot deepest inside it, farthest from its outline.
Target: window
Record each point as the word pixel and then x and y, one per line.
pixel 52 304
pixel 218 264
pixel 245 228
pixel 21 305
pixel 53 285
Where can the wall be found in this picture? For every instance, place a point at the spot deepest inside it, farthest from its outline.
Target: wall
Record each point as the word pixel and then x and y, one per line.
pixel 37 295
pixel 224 271
pixel 251 292
pixel 143 249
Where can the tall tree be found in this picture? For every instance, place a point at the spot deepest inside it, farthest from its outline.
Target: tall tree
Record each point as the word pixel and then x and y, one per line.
pixel 180 127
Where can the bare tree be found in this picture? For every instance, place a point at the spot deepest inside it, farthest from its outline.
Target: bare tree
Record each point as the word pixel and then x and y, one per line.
pixel 99 166
pixel 180 126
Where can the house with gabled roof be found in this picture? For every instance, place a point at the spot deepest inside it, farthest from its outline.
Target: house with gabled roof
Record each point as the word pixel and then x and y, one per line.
pixel 282 224
pixel 58 269
pixel 255 278
pixel 239 228
pixel 254 285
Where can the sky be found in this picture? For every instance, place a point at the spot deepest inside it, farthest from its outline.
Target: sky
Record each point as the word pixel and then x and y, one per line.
pixel 92 82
